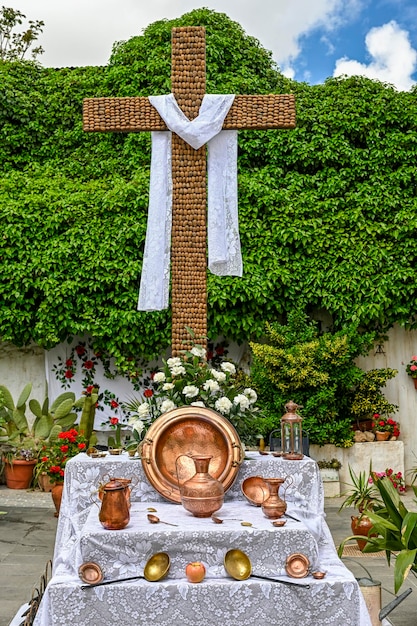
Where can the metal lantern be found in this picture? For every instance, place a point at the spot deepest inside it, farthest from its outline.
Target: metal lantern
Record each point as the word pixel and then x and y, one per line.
pixel 291 433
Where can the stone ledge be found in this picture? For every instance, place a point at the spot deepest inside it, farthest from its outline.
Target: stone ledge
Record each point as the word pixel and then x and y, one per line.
pixel 382 454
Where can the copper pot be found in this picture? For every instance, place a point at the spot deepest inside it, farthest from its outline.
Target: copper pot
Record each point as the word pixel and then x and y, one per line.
pixel 202 495
pixel 114 512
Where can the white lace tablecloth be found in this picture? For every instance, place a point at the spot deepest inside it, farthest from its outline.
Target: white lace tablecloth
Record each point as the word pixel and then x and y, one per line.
pixel 125 552
pixel 336 600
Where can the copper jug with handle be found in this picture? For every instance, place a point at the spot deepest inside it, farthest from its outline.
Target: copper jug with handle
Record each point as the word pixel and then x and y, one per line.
pixel 114 512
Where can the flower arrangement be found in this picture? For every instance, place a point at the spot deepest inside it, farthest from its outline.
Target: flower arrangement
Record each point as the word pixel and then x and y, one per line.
pixel 396 478
pixel 385 424
pixel 411 368
pixel 191 380
pixel 54 456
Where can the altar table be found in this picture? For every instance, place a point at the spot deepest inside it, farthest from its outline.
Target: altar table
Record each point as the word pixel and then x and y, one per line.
pixel 336 600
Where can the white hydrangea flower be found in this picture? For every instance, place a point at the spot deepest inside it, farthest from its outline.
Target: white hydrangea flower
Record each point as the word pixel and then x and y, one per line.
pixel 168 386
pixel 241 401
pixel 211 385
pixel 251 394
pixel 138 425
pixel 219 376
pixel 159 377
pixel 143 410
pixel 178 370
pixel 167 405
pixel 174 362
pixel 199 403
pixel 190 391
pixel 223 405
pixel 228 367
pixel 200 352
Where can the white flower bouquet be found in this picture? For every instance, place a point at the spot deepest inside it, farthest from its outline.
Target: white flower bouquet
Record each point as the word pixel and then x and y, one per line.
pixel 189 380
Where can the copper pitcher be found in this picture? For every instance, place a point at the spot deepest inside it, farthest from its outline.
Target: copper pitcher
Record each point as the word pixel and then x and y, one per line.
pixel 274 507
pixel 202 495
pixel 114 512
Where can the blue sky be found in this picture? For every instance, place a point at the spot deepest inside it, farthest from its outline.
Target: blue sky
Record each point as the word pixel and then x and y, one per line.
pixel 310 39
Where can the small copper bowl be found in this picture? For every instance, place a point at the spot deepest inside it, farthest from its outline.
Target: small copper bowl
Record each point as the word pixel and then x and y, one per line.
pixel 318 575
pixel 90 573
pixel 255 490
pixel 297 565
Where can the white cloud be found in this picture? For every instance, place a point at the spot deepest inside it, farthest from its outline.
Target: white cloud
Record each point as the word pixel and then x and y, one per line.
pixel 82 32
pixel 393 59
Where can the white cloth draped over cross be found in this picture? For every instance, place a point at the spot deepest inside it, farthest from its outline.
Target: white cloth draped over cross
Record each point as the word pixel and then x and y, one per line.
pixel 224 254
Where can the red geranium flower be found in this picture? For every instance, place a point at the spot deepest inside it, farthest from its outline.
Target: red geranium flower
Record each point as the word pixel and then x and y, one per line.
pixel 64 448
pixel 81 446
pixel 148 393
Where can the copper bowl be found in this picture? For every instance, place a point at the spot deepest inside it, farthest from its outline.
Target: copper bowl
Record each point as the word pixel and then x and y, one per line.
pixel 297 565
pixel 90 573
pixel 255 490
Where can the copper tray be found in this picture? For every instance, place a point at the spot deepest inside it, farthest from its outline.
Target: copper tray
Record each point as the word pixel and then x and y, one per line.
pixel 176 435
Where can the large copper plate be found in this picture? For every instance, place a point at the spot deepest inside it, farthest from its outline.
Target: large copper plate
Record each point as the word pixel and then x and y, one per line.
pixel 178 434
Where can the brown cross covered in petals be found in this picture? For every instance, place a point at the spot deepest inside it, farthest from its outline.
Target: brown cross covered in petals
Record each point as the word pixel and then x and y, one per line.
pixel 189 231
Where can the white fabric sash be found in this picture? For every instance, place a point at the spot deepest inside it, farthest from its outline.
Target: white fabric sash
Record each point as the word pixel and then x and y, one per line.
pixel 222 219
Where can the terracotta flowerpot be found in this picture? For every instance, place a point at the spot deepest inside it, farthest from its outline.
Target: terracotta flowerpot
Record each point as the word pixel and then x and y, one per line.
pixel 415 383
pixel 382 436
pixel 361 525
pixel 44 482
pixel 19 474
pixel 56 493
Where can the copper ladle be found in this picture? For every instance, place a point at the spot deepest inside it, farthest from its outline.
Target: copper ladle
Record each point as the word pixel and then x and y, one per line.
pixel 155 569
pixel 238 565
pixel 154 519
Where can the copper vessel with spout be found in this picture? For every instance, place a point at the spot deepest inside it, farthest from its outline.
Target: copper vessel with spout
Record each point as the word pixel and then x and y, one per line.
pixel 114 512
pixel 202 495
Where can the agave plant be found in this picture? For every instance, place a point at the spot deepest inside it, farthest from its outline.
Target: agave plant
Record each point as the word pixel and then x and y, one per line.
pixel 397 531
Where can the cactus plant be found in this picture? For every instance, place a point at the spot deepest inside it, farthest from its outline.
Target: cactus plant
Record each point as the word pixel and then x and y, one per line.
pixel 18 432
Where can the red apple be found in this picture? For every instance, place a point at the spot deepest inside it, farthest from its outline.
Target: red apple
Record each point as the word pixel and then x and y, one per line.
pixel 195 572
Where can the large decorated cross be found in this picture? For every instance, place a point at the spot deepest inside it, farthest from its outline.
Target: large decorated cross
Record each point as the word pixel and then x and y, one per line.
pixel 188 168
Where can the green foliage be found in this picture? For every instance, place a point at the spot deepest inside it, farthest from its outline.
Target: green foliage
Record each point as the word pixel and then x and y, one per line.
pixel 327 211
pixel 315 370
pixel 368 398
pixel 13 45
pixel 18 432
pixel 397 531
pixel 361 494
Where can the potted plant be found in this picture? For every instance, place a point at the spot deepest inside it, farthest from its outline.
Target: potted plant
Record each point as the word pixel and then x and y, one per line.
pixel 364 496
pixel 395 531
pixel 18 433
pixel 54 457
pixel 411 369
pixel 329 471
pixel 384 427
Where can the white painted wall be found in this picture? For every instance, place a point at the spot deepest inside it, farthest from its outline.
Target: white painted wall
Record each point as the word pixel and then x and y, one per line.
pixel 19 366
